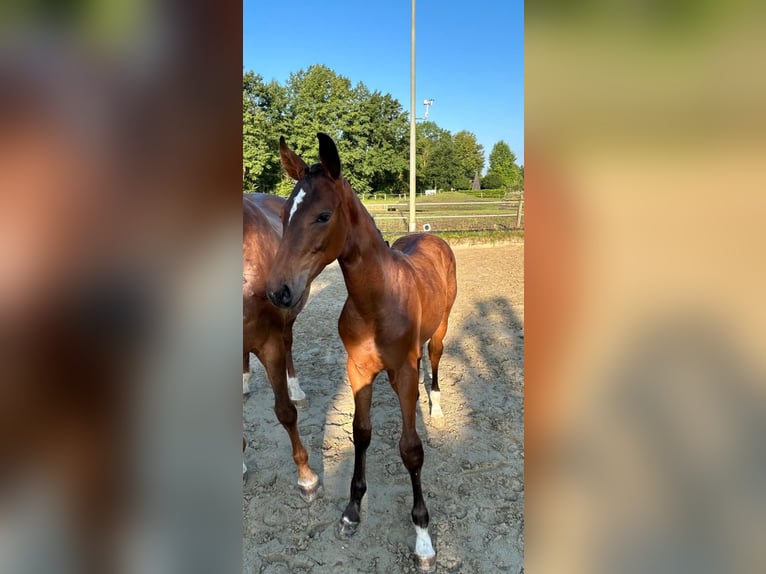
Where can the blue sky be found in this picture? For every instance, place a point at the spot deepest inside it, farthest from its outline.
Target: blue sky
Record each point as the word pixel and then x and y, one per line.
pixel 470 55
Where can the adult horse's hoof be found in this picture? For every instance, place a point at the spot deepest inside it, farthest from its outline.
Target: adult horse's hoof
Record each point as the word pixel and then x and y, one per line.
pixel 311 492
pixel 426 563
pixel 346 528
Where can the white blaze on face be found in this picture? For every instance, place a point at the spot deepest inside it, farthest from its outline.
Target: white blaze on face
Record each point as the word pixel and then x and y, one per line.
pixel 296 202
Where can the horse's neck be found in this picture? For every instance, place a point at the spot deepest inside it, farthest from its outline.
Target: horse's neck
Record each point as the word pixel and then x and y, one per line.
pixel 365 259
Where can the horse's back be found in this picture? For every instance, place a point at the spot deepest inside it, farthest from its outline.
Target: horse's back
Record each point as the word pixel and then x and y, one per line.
pixel 430 252
pixel 434 268
pixel 262 214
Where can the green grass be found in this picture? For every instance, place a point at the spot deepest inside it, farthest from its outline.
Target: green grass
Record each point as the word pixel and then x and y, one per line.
pixel 477 220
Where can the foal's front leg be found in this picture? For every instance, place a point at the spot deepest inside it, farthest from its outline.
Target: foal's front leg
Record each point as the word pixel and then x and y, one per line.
pixel 297 396
pixel 361 386
pixel 272 355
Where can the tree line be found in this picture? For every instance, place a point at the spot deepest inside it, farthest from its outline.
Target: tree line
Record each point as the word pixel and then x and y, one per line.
pixel 371 130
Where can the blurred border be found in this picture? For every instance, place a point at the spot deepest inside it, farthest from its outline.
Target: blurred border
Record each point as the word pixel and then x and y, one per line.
pixel 645 325
pixel 120 282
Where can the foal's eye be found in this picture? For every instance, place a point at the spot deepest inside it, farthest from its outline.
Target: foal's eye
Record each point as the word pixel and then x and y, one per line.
pixel 323 217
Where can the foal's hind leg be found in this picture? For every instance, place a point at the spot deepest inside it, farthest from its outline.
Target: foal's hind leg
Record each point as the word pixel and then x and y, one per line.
pixel 272 355
pixel 293 385
pixel 405 382
pixel 361 387
pixel 435 348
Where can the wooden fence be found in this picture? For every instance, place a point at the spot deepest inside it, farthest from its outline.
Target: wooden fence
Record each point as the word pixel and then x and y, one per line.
pixel 502 215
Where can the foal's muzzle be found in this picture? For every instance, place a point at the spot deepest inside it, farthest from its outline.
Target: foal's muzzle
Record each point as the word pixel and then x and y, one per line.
pixel 282 297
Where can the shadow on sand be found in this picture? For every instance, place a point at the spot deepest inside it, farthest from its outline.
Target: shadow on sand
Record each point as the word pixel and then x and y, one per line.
pixel 473 470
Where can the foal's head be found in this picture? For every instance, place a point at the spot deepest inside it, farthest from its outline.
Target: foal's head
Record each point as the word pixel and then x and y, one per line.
pixel 315 222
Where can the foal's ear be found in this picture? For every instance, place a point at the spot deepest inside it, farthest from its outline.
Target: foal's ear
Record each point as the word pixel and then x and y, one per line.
pixel 328 155
pixel 294 165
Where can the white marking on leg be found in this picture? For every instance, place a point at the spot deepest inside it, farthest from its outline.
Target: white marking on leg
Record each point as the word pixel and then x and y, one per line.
pixel 423 546
pixel 308 481
pixel 244 467
pixel 296 202
pixel 294 388
pixel 246 383
pixel 436 408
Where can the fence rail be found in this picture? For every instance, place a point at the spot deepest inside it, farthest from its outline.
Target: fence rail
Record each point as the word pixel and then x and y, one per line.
pixel 502 215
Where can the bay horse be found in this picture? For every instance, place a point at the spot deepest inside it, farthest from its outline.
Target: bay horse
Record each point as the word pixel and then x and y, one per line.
pixel 268 330
pixel 399 297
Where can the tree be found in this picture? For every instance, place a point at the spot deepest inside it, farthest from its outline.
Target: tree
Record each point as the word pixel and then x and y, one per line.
pixel 492 181
pixel 376 139
pixel 502 168
pixel 370 128
pixel 263 107
pixel 436 163
pixel 469 156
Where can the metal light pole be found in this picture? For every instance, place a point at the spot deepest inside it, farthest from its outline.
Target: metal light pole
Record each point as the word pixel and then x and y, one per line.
pixel 413 130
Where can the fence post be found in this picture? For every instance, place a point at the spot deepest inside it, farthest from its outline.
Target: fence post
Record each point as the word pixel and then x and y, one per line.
pixel 518 212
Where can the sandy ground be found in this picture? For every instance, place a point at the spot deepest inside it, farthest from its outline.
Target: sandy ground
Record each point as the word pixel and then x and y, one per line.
pixel 473 470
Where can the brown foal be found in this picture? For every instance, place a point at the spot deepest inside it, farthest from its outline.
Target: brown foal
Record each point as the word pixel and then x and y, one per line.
pixel 268 330
pixel 399 297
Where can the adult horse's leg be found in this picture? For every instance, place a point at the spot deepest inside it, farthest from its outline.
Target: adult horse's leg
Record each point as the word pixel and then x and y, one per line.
pixel 272 355
pixel 435 348
pixel 361 387
pixel 293 385
pixel 405 383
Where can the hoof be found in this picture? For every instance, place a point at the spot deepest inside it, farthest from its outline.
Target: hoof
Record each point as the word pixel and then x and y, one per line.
pixel 437 416
pixel 300 404
pixel 297 396
pixel 346 528
pixel 311 492
pixel 437 420
pixel 425 556
pixel 426 563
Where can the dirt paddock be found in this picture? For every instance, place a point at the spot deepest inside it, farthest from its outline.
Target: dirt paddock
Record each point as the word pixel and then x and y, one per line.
pixel 473 471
